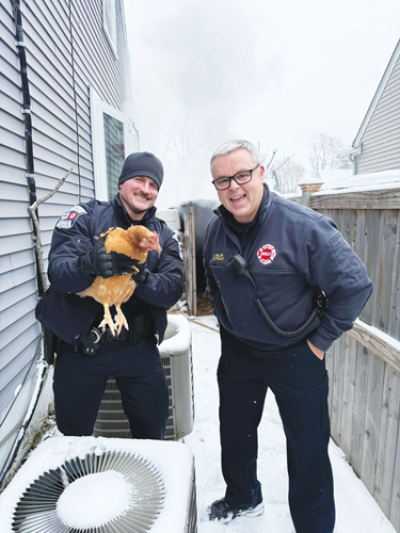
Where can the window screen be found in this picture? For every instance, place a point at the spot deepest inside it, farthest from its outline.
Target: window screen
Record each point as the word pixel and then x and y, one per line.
pixel 114 141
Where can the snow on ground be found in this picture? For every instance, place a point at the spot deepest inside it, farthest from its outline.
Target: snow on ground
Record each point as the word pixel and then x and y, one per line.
pixel 357 511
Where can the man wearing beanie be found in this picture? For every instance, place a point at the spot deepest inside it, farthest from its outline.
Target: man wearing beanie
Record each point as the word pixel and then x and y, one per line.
pixel 87 356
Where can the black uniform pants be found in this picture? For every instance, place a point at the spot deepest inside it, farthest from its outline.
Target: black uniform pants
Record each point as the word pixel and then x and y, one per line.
pixel 299 382
pixel 80 380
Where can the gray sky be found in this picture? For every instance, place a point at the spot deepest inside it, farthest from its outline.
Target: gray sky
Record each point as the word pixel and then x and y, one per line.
pixel 273 71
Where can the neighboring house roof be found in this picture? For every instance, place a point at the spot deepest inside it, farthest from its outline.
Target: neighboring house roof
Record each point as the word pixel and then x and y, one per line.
pixel 374 181
pixel 388 179
pixel 331 177
pixel 378 94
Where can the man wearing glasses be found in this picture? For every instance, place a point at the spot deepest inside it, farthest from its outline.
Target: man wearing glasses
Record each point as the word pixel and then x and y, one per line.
pixel 272 266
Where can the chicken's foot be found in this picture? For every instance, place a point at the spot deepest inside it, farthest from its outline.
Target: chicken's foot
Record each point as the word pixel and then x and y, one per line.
pixel 107 320
pixel 120 319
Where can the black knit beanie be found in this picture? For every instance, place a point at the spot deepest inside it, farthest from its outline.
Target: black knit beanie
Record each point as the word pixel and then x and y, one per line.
pixel 142 164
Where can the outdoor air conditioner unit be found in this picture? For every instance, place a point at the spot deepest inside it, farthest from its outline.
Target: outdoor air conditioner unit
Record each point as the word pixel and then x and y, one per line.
pixel 97 485
pixel 176 357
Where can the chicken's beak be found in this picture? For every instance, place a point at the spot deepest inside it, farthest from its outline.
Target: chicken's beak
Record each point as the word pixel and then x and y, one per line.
pixel 157 245
pixel 153 242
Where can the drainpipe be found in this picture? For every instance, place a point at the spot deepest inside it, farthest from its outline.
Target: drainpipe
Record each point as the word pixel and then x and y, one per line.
pixel 352 152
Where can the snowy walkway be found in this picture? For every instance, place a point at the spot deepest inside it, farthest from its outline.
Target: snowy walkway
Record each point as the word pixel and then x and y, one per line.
pixel 357 511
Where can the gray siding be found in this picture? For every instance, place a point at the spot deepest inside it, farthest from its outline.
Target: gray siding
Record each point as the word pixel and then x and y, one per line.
pixel 381 139
pixel 67 53
pixel 19 332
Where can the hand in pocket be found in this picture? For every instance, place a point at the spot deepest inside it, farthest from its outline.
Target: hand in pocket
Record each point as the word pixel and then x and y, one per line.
pixel 316 351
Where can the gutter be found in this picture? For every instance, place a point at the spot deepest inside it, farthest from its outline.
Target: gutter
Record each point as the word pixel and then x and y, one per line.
pixel 351 152
pixel 41 379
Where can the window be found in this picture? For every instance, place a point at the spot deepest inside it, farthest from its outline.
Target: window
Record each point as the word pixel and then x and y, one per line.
pixel 109 23
pixel 114 137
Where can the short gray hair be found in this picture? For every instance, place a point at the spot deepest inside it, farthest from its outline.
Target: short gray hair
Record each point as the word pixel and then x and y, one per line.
pixel 236 144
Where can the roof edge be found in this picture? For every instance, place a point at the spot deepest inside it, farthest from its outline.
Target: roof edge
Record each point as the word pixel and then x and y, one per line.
pixel 377 95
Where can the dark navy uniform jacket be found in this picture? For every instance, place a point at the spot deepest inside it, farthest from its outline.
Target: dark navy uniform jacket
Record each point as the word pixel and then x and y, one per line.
pixel 68 315
pixel 290 250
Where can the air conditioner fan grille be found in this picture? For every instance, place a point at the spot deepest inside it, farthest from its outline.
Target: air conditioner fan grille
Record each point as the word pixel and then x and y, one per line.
pixel 36 511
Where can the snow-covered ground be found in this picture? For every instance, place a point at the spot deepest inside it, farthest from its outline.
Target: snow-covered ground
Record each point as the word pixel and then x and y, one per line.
pixel 357 511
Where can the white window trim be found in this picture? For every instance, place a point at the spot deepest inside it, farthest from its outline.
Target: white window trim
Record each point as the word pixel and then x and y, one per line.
pixel 111 40
pixel 98 107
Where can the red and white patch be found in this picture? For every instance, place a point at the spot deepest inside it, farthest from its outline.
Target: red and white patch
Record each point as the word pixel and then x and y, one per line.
pixel 67 221
pixel 266 254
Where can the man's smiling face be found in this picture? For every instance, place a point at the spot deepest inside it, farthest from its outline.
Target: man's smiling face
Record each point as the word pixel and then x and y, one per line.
pixel 243 200
pixel 138 195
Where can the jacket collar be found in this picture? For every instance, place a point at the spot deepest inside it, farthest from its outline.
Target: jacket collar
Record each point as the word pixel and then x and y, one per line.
pixel 123 217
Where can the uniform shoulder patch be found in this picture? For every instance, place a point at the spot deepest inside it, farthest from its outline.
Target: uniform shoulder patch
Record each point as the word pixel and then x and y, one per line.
pixel 69 218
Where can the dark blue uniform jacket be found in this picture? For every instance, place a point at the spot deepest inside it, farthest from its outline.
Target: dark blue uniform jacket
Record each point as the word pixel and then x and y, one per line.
pixel 291 250
pixel 69 316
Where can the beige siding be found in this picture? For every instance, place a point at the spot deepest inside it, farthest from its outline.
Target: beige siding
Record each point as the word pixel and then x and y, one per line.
pixel 381 139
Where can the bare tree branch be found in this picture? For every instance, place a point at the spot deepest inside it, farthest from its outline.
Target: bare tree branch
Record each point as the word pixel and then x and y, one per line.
pixel 272 158
pixel 288 174
pixel 324 149
pixel 283 162
pixel 38 242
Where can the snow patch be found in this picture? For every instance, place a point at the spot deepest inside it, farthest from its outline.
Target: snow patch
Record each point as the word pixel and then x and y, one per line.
pixel 86 503
pixel 177 336
pixel 384 337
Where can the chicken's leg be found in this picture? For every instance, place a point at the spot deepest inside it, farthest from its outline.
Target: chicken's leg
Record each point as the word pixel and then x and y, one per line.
pixel 120 319
pixel 107 320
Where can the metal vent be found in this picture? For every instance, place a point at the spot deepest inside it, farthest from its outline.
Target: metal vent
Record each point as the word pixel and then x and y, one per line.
pixel 36 511
pixel 178 368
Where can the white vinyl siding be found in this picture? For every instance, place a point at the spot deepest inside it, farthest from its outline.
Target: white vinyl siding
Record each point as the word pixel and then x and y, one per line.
pixel 67 53
pixel 19 331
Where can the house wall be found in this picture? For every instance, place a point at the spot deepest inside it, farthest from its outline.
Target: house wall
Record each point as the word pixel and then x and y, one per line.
pixel 381 139
pixel 67 52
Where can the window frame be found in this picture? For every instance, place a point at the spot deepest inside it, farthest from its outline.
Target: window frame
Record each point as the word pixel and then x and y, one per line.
pixel 131 141
pixel 111 33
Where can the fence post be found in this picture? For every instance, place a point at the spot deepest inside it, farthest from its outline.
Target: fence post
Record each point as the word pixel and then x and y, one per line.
pixel 308 185
pixel 190 261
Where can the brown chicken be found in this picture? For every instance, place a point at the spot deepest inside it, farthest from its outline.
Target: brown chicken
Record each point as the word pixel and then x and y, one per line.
pixel 135 243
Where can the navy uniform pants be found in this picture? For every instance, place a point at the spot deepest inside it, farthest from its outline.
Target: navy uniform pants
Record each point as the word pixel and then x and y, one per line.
pixel 299 382
pixel 80 380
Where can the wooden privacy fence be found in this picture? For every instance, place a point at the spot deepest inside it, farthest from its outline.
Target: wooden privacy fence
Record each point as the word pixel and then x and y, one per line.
pixel 364 364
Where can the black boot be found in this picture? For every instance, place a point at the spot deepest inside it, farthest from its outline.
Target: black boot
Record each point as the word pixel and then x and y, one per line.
pixel 221 509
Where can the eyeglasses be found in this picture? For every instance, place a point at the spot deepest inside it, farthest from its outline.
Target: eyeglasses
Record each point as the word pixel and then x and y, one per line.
pixel 221 184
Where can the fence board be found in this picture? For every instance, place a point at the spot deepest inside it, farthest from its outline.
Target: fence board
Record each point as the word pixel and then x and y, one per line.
pixel 394 514
pixel 394 303
pixel 359 409
pixel 373 240
pixel 381 345
pixel 372 420
pixel 337 389
pixel 349 378
pixel 386 458
pixel 190 261
pixel 383 199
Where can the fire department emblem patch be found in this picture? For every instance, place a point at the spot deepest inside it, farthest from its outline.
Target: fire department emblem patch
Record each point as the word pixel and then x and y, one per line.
pixel 266 254
pixel 69 218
